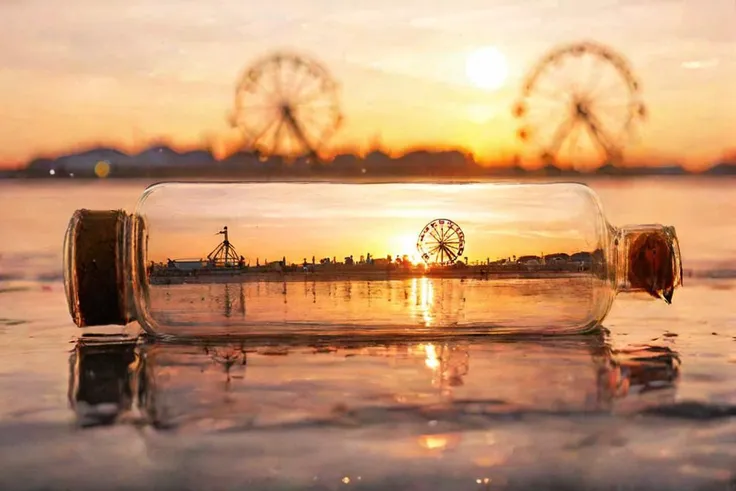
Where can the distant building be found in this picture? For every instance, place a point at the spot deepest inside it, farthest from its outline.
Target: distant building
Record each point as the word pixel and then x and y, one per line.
pixel 187 264
pixel 582 257
pixel 560 257
pixel 529 260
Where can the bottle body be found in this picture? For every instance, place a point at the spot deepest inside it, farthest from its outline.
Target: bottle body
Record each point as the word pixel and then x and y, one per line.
pixel 268 259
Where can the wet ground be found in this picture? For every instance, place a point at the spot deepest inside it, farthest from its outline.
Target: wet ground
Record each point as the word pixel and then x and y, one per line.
pixel 649 405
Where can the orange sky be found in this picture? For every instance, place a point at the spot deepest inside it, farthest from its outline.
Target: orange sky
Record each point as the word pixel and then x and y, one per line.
pixel 498 221
pixel 127 71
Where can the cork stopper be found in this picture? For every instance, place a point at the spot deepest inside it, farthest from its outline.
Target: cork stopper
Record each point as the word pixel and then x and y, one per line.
pixel 654 263
pixel 93 274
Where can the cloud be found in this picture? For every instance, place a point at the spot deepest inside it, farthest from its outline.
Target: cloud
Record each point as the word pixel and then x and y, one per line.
pixel 133 38
pixel 700 64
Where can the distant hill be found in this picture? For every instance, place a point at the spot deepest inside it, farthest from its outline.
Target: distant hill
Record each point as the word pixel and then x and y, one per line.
pixel 722 169
pixel 161 161
pixel 667 170
pixel 148 163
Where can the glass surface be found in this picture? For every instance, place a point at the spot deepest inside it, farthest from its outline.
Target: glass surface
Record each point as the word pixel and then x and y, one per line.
pixel 395 257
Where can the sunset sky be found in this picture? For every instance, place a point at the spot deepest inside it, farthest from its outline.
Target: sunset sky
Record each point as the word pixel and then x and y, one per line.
pixel 499 221
pixel 124 72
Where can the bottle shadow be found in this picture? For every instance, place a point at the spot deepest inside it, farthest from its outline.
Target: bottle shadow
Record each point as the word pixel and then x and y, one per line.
pixel 241 386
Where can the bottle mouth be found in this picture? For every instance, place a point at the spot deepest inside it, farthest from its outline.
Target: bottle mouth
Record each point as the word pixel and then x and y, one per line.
pixel 655 264
pixel 92 276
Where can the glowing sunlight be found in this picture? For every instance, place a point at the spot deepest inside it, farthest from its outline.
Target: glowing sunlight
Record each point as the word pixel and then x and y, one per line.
pixel 406 245
pixel 486 68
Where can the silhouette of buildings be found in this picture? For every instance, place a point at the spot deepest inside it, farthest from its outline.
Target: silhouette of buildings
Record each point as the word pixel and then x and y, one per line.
pixel 367 267
pixel 162 162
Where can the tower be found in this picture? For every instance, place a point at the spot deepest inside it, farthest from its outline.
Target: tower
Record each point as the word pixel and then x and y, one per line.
pixel 224 255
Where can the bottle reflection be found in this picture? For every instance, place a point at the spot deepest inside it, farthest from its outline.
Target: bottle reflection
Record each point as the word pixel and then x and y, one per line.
pixel 646 370
pixel 228 357
pixel 246 385
pixel 102 379
pixel 189 382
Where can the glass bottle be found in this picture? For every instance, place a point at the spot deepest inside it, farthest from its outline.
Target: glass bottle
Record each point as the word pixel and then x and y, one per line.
pixel 283 259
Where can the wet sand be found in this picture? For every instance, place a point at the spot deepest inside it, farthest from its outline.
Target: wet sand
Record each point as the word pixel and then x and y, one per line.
pixel 653 408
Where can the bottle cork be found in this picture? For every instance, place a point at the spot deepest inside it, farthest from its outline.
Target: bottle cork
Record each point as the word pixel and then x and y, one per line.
pixel 95 288
pixel 654 264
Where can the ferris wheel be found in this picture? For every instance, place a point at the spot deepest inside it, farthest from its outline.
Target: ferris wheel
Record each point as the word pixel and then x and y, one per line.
pixel 286 105
pixel 441 242
pixel 580 105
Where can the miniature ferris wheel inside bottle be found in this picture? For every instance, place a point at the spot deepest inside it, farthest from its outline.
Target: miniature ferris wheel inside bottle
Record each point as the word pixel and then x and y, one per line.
pixel 272 259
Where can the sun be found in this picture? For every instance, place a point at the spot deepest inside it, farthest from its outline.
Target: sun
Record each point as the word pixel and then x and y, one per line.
pixel 486 68
pixel 406 245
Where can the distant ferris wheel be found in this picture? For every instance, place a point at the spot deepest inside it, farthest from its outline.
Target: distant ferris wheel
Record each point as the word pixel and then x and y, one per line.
pixel 580 103
pixel 287 105
pixel 441 242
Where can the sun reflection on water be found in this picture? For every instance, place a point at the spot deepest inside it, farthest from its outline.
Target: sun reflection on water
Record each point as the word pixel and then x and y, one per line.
pixel 432 361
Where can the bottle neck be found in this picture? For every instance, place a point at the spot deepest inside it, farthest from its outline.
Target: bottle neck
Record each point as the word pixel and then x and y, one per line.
pixel 646 259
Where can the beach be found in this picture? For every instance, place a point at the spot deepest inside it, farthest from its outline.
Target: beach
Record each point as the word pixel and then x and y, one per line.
pixel 647 402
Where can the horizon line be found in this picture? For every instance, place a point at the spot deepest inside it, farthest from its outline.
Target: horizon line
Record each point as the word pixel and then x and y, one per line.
pixel 470 159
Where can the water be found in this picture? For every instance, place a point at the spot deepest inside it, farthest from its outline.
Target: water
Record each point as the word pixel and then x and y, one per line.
pixel 649 406
pixel 413 305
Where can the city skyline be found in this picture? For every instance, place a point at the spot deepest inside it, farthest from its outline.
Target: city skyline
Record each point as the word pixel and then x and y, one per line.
pixel 126 73
pixel 262 248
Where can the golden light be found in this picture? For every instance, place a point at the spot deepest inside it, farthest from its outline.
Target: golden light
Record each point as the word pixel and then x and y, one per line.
pixel 486 68
pixel 437 443
pixel 431 360
pixel 432 442
pixel 405 245
pixel 481 114
pixel 426 300
pixel 102 169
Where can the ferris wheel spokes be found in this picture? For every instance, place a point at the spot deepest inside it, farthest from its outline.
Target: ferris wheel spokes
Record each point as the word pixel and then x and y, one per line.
pixel 441 242
pixel 569 116
pixel 286 105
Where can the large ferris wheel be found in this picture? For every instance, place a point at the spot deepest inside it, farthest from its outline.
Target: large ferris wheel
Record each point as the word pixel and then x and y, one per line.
pixel 441 242
pixel 579 105
pixel 286 105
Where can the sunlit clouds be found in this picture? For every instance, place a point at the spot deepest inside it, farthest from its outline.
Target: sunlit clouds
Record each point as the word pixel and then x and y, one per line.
pixel 698 64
